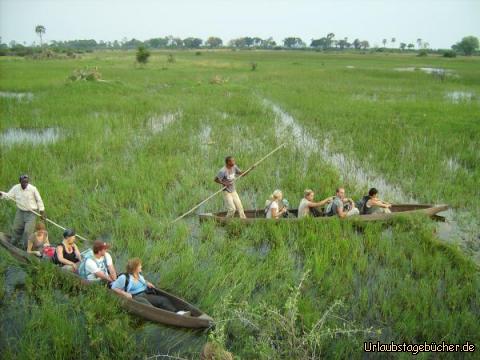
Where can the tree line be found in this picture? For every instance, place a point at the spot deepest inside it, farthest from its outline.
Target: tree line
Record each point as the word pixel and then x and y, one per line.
pixel 467 45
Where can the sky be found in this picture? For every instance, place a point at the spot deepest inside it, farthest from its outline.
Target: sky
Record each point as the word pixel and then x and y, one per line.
pixel 441 23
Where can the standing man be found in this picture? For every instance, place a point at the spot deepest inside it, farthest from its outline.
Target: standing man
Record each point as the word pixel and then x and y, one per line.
pixel 226 177
pixel 27 198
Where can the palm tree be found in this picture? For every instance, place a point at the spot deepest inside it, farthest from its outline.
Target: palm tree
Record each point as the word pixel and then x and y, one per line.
pixel 419 43
pixel 40 30
pixel 330 40
pixel 393 41
pixel 384 41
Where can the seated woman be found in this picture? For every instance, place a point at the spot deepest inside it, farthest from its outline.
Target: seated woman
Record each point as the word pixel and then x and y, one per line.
pixel 371 204
pixel 274 207
pixel 133 285
pixel 38 240
pixel 67 254
pixel 308 207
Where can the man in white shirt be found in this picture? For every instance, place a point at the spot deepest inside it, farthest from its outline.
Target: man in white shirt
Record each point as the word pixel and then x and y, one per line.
pixel 27 198
pixel 100 265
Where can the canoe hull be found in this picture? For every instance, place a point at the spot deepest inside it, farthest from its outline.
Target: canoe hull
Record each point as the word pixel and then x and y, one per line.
pixel 257 215
pixel 198 320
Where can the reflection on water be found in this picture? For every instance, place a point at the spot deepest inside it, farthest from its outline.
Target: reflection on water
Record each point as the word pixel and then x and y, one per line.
pixel 164 340
pixel 15 278
pixel 27 96
pixel 29 136
pixel 13 317
pixel 460 96
pixel 462 228
pixel 428 70
pixel 158 123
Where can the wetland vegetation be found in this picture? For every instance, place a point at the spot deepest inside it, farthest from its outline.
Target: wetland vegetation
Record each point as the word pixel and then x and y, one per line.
pixel 121 158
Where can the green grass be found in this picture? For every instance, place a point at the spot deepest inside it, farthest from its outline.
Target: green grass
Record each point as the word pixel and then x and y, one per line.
pixel 111 176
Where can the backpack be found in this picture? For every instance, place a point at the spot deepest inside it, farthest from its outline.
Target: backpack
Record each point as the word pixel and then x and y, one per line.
pixel 88 254
pixel 361 204
pixel 328 209
pixel 127 281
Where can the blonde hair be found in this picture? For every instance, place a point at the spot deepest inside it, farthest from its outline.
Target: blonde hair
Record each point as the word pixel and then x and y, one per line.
pixel 133 264
pixel 276 195
pixel 307 192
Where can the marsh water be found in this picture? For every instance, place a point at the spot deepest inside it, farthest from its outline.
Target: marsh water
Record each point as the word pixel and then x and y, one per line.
pixel 460 227
pixel 161 340
pixel 460 96
pixel 27 96
pixel 307 144
pixel 15 136
pixel 156 339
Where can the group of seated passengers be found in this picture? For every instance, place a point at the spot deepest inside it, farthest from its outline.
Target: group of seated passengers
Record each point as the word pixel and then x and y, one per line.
pixel 97 265
pixel 338 205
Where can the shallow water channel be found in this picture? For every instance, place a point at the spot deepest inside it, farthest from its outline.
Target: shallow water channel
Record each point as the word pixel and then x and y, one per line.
pixel 459 227
pixel 15 136
pixel 27 96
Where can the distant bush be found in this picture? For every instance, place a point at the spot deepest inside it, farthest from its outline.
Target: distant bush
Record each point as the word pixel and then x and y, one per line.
pixel 86 74
pixel 422 53
pixel 198 53
pixel 20 50
pixel 46 54
pixel 449 54
pixel 218 80
pixel 171 59
pixel 142 55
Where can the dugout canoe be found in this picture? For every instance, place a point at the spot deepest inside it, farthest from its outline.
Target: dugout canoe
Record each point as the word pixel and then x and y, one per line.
pixel 258 215
pixel 197 320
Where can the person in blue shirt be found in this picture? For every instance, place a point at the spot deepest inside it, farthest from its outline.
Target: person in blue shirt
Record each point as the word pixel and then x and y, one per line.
pixel 139 289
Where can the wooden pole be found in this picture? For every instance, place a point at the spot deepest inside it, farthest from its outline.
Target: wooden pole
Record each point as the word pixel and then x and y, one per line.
pixel 46 219
pixel 223 188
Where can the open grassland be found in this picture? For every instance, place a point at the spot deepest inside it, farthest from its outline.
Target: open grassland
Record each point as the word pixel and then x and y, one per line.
pixel 122 158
